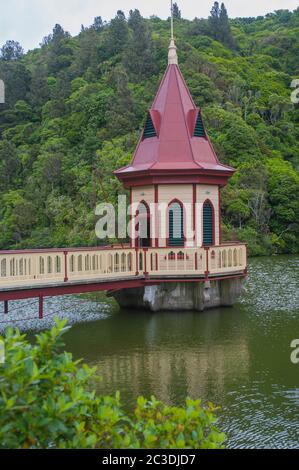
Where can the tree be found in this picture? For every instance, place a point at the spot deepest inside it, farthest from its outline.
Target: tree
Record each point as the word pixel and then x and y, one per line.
pixel 47 397
pixel 120 116
pixel 11 50
pixel 116 35
pixel 176 11
pixel 97 24
pixel 58 52
pixel 57 35
pixel 76 98
pixel 225 31
pixel 219 24
pixel 39 92
pixel 283 187
pixel 16 77
pixel 214 17
pixel 10 165
pixel 138 56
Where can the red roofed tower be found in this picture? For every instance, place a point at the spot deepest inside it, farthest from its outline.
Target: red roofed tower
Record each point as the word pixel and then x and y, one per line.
pixel 175 164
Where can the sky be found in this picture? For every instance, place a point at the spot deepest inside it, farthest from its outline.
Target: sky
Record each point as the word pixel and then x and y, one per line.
pixel 28 21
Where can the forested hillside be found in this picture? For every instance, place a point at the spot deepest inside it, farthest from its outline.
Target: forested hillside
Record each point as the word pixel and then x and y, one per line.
pixel 75 107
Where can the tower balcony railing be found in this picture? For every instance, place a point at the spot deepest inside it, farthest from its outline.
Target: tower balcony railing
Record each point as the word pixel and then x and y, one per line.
pixel 30 268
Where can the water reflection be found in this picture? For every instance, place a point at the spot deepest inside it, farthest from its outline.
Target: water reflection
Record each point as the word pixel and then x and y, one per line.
pixel 237 357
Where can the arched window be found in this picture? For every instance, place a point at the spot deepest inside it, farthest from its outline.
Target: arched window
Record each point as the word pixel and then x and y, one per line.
pixel 208 224
pixel 176 224
pixel 144 222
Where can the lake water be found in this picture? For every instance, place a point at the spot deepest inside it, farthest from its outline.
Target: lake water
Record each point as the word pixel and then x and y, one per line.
pixel 237 357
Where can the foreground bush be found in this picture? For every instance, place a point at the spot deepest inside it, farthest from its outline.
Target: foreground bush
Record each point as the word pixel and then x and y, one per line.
pixel 46 401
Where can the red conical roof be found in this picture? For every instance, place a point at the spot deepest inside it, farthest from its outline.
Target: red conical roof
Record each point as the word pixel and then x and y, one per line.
pixel 174 151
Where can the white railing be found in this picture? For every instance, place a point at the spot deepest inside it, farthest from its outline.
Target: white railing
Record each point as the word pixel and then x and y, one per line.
pixel 168 261
pixel 46 267
pixel 227 259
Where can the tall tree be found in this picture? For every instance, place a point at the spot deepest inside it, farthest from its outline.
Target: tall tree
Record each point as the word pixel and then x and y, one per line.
pixel 117 35
pixel 39 92
pixel 219 25
pixel 11 50
pixel 97 24
pixel 225 31
pixel 214 18
pixel 138 57
pixel 121 114
pixel 16 78
pixel 60 52
pixel 10 165
pixel 57 35
pixel 176 11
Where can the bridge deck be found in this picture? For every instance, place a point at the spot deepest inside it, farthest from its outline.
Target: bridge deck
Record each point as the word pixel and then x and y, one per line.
pixel 32 273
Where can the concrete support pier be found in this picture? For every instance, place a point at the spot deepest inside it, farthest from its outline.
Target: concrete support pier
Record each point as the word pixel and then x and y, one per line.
pixel 178 296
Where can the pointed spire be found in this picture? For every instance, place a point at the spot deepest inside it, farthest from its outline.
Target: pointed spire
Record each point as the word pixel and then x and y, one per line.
pixel 172 54
pixel 174 141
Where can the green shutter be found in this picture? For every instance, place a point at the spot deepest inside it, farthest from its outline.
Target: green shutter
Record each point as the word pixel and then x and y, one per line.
pixel 207 224
pixel 199 129
pixel 149 130
pixel 176 225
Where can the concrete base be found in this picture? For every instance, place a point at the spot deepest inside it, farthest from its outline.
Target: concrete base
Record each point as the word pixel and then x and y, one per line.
pixel 182 295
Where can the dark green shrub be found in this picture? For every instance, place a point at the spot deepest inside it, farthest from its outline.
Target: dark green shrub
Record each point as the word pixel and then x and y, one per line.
pixel 46 401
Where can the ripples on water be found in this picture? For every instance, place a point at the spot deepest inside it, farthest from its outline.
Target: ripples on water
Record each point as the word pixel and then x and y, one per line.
pixel 23 314
pixel 273 285
pixel 237 357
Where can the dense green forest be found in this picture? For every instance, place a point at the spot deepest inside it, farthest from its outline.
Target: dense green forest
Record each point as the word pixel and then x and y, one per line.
pixel 75 107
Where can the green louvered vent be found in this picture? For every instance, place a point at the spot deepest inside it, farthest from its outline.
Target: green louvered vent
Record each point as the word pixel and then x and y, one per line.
pixel 144 226
pixel 149 130
pixel 207 224
pixel 199 129
pixel 176 225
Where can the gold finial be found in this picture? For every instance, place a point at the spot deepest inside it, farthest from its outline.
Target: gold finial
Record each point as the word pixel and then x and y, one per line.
pixel 172 54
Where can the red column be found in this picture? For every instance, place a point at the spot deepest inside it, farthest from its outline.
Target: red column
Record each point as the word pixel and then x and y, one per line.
pixel 145 272
pixel 207 263
pixel 194 213
pixel 219 214
pixel 137 261
pixel 65 266
pixel 131 218
pixel 156 216
pixel 40 306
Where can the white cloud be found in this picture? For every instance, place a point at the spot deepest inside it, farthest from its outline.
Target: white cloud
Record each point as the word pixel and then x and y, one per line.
pixel 28 21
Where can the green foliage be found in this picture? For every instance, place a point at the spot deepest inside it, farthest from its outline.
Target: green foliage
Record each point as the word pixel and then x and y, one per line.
pixel 176 11
pixel 75 108
pixel 219 24
pixel 46 401
pixel 11 50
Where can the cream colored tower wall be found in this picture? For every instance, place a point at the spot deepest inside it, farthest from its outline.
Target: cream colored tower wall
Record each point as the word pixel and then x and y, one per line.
pixel 184 193
pixel 166 194
pixel 204 192
pixel 147 194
